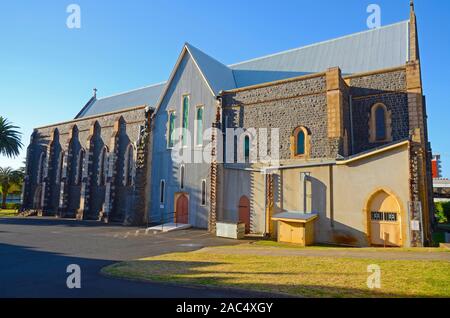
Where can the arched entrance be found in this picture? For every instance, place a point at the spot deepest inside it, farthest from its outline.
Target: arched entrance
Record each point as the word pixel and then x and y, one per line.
pixel 384 216
pixel 182 209
pixel 244 212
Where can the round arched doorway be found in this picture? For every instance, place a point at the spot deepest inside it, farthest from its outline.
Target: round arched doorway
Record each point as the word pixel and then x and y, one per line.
pixel 244 212
pixel 384 217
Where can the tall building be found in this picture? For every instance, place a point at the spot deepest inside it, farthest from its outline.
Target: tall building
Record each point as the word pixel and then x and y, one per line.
pixel 436 166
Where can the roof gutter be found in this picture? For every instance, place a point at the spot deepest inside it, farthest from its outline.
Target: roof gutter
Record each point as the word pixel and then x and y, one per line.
pixel 372 153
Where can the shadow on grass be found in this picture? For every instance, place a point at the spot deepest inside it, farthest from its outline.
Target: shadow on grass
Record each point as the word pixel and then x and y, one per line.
pixel 198 273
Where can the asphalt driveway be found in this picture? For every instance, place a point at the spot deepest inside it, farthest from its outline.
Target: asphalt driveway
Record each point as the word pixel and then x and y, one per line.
pixel 35 253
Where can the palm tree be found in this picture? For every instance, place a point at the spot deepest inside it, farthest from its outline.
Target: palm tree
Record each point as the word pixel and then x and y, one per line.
pixel 10 143
pixel 9 178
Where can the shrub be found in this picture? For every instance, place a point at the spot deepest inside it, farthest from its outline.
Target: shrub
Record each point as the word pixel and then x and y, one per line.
pixel 13 206
pixel 442 211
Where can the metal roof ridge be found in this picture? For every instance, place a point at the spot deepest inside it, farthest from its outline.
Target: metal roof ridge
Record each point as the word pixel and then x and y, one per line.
pixel 132 90
pixel 316 44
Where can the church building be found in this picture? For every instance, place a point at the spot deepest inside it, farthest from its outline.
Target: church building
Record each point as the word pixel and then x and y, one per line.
pixel 334 131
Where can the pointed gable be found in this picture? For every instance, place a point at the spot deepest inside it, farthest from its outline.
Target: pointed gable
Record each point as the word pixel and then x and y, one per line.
pixel 216 75
pixel 219 76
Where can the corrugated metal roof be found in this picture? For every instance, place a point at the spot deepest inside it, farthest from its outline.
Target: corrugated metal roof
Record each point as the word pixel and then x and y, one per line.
pixel 375 49
pixel 371 50
pixel 143 96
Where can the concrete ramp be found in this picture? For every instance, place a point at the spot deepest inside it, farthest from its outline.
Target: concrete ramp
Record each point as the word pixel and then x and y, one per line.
pixel 169 227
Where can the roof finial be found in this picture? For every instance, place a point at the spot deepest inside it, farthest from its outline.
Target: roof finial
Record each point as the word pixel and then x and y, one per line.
pixel 411 4
pixel 95 92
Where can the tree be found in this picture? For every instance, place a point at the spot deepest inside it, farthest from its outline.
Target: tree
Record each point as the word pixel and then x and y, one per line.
pixel 10 143
pixel 9 178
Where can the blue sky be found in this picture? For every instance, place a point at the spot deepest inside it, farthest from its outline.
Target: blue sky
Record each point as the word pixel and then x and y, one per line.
pixel 47 71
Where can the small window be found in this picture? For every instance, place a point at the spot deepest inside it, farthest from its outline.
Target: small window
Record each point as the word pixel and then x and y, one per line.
pixel 203 192
pixel 380 119
pixel 300 143
pixel 199 127
pixel 247 149
pixel 185 118
pixel 380 124
pixel 390 217
pixel 171 128
pixel 377 216
pixel 182 177
pixel 162 191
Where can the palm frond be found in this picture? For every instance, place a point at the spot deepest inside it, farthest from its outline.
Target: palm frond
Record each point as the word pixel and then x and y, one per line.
pixel 10 139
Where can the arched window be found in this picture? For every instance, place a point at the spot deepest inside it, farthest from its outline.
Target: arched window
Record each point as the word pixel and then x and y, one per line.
pixel 79 176
pixel 300 149
pixel 199 126
pixel 60 167
pixel 380 129
pixel 103 167
pixel 129 165
pixel 203 203
pixel 171 128
pixel 185 118
pixel 300 143
pixel 40 175
pixel 182 176
pixel 380 120
pixel 247 149
pixel 162 191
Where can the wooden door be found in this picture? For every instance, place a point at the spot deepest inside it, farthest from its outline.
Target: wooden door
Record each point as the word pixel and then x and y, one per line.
pixel 182 209
pixel 244 213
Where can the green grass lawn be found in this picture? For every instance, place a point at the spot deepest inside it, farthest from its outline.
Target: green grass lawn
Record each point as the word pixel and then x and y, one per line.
pixel 7 213
pixel 294 275
pixel 270 243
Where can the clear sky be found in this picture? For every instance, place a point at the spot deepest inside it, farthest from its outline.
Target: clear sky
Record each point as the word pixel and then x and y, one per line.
pixel 48 71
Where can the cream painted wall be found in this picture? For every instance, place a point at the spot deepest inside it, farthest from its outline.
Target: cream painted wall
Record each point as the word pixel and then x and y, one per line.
pixel 234 185
pixel 353 184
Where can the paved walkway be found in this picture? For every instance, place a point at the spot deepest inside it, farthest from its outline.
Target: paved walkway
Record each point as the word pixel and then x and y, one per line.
pixel 35 253
pixel 390 254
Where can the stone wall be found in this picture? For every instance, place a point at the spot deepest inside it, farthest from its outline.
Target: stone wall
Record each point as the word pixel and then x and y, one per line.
pixel 388 88
pixel 285 105
pixel 67 191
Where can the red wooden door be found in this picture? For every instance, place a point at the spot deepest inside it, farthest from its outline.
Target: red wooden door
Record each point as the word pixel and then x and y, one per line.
pixel 182 209
pixel 244 212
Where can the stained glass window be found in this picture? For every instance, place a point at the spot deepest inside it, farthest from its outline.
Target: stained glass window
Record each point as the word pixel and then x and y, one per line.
pixel 185 119
pixel 199 128
pixel 171 128
pixel 247 149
